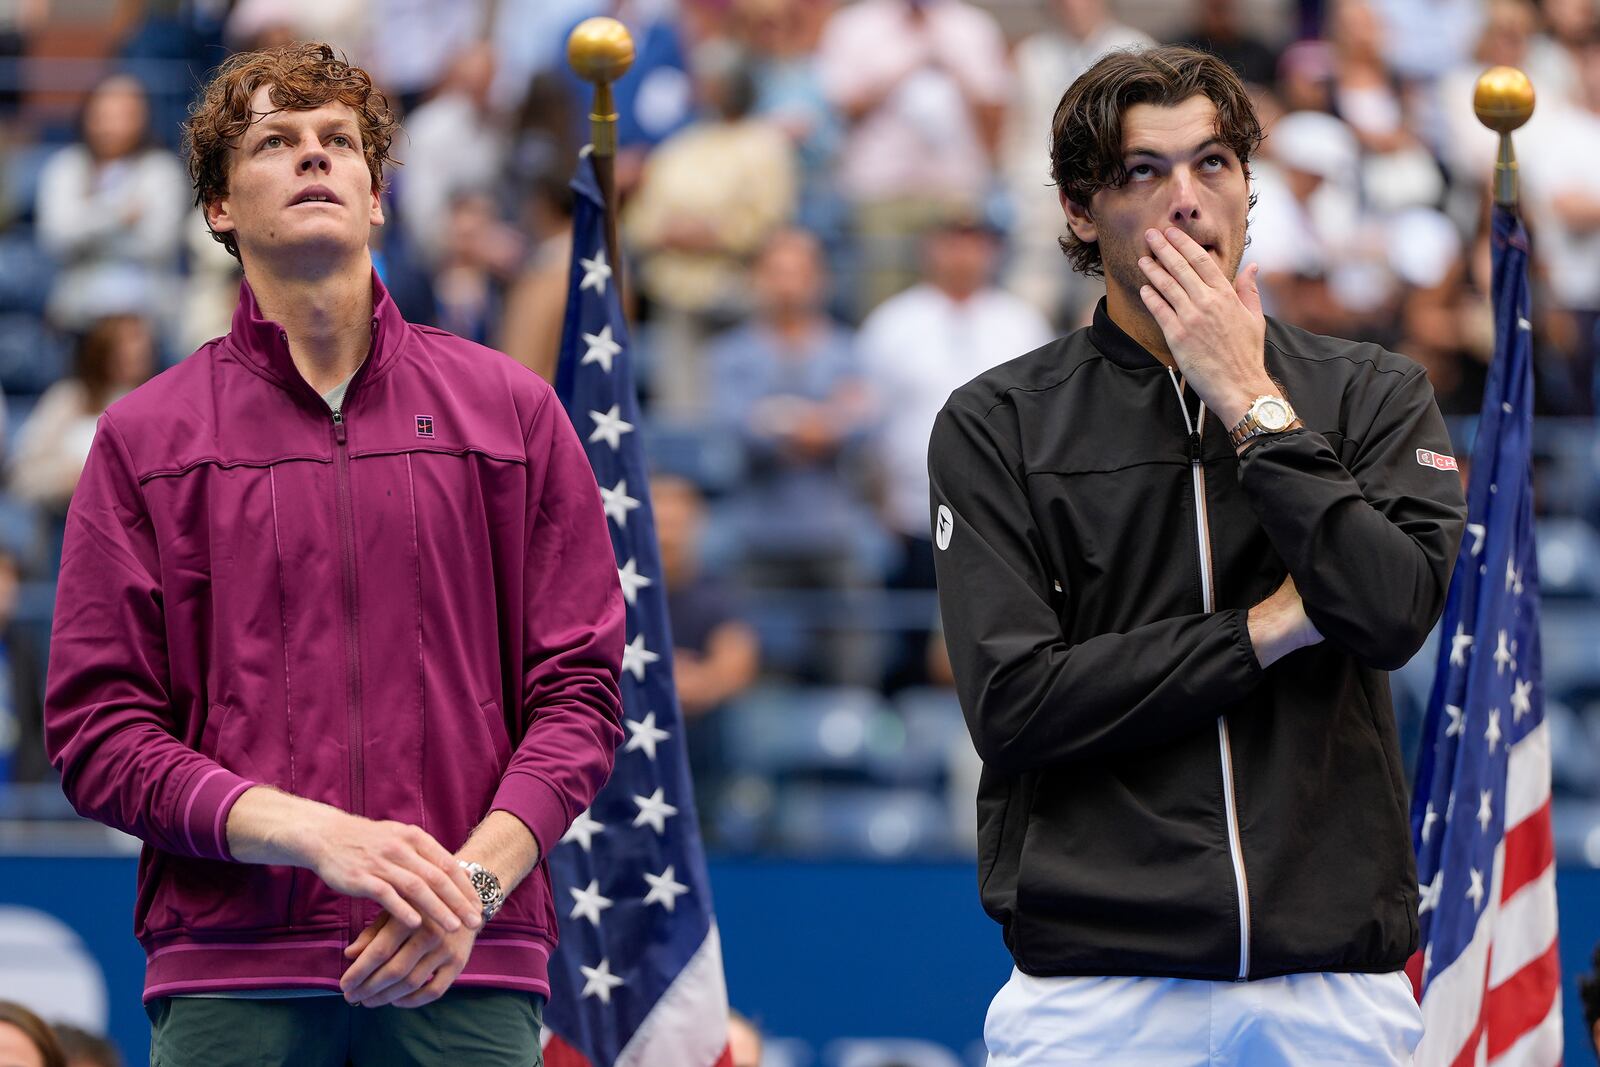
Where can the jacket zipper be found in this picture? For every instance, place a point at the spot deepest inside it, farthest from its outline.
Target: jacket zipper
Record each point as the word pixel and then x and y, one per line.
pixel 1197 475
pixel 351 642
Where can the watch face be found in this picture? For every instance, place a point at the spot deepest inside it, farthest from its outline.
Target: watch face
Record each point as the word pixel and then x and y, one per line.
pixel 1273 415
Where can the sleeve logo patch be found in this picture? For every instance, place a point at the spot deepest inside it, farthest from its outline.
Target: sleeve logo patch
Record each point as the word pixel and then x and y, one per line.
pixel 1436 460
pixel 944 528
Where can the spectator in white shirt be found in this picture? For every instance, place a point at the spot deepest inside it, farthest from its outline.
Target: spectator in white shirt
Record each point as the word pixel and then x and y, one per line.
pixel 110 210
pixel 916 349
pixel 922 84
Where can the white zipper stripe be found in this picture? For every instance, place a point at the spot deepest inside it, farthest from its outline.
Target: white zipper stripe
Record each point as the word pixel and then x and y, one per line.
pixel 1202 528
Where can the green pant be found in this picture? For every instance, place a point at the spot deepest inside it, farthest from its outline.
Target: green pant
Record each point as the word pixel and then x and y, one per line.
pixel 481 1027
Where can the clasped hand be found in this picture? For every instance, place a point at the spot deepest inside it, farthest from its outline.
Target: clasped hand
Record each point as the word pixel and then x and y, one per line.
pixel 1214 327
pixel 394 964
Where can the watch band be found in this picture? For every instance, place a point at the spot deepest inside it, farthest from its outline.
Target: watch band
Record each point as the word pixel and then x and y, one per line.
pixel 1251 426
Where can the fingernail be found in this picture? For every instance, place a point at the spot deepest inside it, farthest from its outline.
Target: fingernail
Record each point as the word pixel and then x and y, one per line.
pixel 1145 261
pixel 1152 235
pixel 1172 232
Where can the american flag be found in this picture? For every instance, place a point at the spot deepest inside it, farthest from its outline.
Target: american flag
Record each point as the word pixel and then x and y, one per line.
pixel 1488 976
pixel 637 980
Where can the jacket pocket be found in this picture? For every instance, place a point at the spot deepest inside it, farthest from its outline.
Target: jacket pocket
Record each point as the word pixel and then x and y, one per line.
pixel 494 724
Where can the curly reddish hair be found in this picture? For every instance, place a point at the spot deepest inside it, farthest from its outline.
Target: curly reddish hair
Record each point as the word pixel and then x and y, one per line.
pixel 301 77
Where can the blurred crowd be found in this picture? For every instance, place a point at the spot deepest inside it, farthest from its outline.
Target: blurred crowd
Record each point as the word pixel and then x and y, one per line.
pixel 833 213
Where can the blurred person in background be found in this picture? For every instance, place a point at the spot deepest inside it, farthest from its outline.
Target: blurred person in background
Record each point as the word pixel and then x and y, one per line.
pixel 1082 31
pixel 922 85
pixel 1308 222
pixel 1219 29
pixel 22 755
pixel 480 258
pixel 26 1040
pixel 1134 531
pixel 1555 52
pixel 411 44
pixel 1397 169
pixel 1589 997
pixel 83 1049
pixel 917 347
pixel 536 305
pixel 716 654
pixel 787 385
pixel 710 196
pixel 455 142
pixel 1466 146
pixel 113 358
pixel 1558 159
pixel 111 209
pixel 782 36
pixel 253 24
pixel 1422 39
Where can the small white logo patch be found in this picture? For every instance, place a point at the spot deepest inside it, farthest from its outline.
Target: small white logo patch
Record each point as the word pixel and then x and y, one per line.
pixel 1436 460
pixel 945 527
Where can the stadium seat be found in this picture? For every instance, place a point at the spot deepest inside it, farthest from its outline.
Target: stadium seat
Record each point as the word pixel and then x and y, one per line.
pixel 26 273
pixel 870 822
pixel 1569 558
pixel 32 356
pixel 837 732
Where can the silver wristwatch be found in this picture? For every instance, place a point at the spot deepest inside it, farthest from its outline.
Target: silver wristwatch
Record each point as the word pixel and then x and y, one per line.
pixel 1267 414
pixel 488 886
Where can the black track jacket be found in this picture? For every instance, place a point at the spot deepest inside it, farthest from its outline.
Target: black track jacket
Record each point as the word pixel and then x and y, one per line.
pixel 1153 802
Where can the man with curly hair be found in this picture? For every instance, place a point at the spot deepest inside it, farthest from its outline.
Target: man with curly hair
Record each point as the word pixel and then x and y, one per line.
pixel 337 632
pixel 1177 552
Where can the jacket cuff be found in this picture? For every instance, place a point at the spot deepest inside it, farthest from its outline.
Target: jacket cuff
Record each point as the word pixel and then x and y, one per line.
pixel 203 812
pixel 537 803
pixel 1240 618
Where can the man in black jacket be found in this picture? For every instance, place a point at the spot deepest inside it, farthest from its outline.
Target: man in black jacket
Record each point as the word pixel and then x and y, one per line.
pixel 1177 553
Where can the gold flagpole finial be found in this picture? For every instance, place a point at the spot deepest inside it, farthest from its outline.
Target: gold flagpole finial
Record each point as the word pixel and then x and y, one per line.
pixel 1503 100
pixel 600 50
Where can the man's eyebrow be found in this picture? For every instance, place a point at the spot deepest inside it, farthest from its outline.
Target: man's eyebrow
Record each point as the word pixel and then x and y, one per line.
pixel 1140 150
pixel 274 123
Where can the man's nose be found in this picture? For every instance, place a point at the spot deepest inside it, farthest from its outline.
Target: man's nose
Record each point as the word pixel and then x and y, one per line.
pixel 315 159
pixel 1185 205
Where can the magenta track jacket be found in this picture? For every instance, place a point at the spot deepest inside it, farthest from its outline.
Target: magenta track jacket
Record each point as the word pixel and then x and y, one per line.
pixel 410 612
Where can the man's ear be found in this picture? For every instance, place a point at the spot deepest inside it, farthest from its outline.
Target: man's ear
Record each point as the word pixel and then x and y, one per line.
pixel 218 216
pixel 1079 219
pixel 375 214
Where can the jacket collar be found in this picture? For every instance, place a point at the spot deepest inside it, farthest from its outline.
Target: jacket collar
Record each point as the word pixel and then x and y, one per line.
pixel 1115 344
pixel 265 345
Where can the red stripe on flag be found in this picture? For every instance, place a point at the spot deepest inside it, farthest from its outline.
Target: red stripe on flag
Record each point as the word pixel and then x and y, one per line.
pixel 1414 972
pixel 557 1053
pixel 726 1059
pixel 1529 851
pixel 1522 1001
pixel 1468 1056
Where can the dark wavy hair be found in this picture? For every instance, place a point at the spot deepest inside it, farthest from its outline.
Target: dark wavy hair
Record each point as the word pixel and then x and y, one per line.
pixel 302 77
pixel 1086 132
pixel 36 1030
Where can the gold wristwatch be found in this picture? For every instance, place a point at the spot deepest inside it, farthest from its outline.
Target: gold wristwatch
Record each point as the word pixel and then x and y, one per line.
pixel 1266 414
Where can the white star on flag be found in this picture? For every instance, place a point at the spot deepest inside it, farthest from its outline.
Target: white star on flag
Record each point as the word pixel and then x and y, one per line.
pixel 1513 579
pixel 632 581
pixel 601 348
pixel 1485 808
pixel 1521 700
pixel 1492 734
pixel 1455 720
pixel 1430 893
pixel 596 272
pixel 1475 890
pixel 618 503
pixel 1503 655
pixel 609 427
pixel 1478 532
pixel 635 657
pixel 654 812
pixel 589 902
pixel 1429 817
pixel 599 981
pixel 1459 645
pixel 664 889
pixel 583 829
pixel 646 735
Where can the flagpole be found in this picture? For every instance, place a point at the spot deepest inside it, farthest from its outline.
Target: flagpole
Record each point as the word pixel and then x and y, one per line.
pixel 600 51
pixel 1503 100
